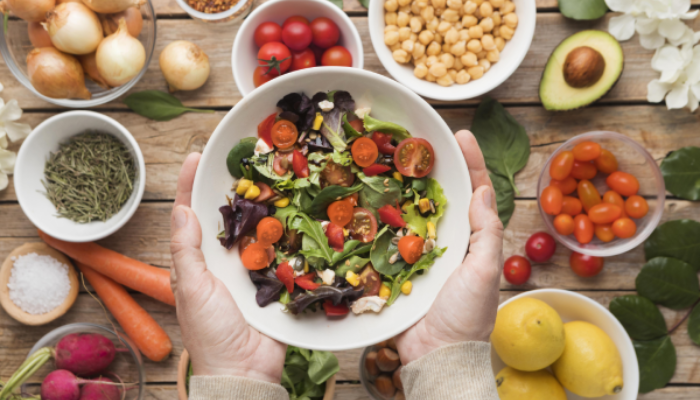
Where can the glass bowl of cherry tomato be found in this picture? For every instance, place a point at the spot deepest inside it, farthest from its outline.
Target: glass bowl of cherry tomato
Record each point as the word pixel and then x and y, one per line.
pixel 283 36
pixel 601 194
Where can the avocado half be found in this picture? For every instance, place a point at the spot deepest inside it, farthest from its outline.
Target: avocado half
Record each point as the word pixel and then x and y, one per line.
pixel 582 69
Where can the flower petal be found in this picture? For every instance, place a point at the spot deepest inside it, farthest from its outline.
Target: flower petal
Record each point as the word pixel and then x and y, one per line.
pixel 3 181
pixel 646 26
pixel 622 27
pixel 17 131
pixel 1 87
pixel 696 90
pixel 11 112
pixel 7 161
pixel 693 102
pixel 620 5
pixel 677 97
pixel 692 72
pixel 686 38
pixel 651 41
pixel 690 15
pixel 667 58
pixel 672 28
pixel 656 91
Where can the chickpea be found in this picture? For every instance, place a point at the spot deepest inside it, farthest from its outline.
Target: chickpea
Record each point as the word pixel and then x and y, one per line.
pixel 486 64
pixel 438 38
pixel 506 32
pixel 432 25
pixel 404 33
pixel 418 50
pixel 451 36
pixel 390 18
pixel 402 19
pixel 426 37
pixel 458 64
pixel 430 77
pixel 416 24
pixel 391 5
pixel 469 20
pixel 428 13
pixel 420 60
pixel 464 34
pixel 459 48
pixel 462 77
pixel 494 3
pixel 415 9
pixel 478 2
pixel 493 55
pixel 511 20
pixel 488 43
pixel 476 32
pixel 476 72
pixel 469 7
pixel 401 56
pixel 454 4
pixel 420 71
pixel 406 9
pixel 477 14
pixel 500 43
pixel 486 9
pixel 497 19
pixel 507 7
pixel 394 47
pixel 447 59
pixel 438 69
pixel 391 28
pixel 445 80
pixel 391 38
pixel 407 45
pixel 481 55
pixel 496 32
pixel 450 15
pixel 474 46
pixel 452 73
pixel 446 47
pixel 422 3
pixel 404 2
pixel 438 3
pixel 433 49
pixel 487 24
pixel 444 27
pixel 457 25
pixel 431 60
pixel 469 59
pixel 438 11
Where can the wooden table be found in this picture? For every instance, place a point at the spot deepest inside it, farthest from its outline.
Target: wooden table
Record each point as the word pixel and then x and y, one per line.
pixel 166 144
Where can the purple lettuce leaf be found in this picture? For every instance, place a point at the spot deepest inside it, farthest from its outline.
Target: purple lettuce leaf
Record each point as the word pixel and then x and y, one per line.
pixel 269 287
pixel 240 218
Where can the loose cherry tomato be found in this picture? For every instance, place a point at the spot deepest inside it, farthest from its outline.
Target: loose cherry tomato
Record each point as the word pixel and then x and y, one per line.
pixel 260 77
pixel 284 134
pixel 376 169
pixel 623 183
pixel 306 282
pixel 636 207
pixel 583 170
pixel 265 128
pixel 586 151
pixel 567 186
pixel 340 212
pixel 266 192
pixel 275 58
pixel 285 273
pixel 336 174
pixel 269 230
pixel 411 248
pixel 293 18
pixel 414 157
pixel 335 310
pixel 303 59
pixel 363 226
pixel 588 194
pixel 604 232
pixel 267 32
pixel 336 239
pixel 585 266
pixel 561 165
pixel 325 32
pixel 282 162
pixel 391 216
pixel 583 228
pixel 571 206
pixel 564 224
pixel 383 141
pixel 606 162
pixel 624 228
pixel 540 247
pixel 255 257
pixel 604 213
pixel 359 126
pixel 296 35
pixel 517 270
pixel 300 164
pixel 337 56
pixel 364 151
pixel 551 200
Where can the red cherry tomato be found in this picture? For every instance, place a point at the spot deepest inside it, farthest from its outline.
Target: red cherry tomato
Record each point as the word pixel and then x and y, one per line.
pixel 391 216
pixel 318 52
pixel 414 157
pixel 325 32
pixel 604 233
pixel 364 152
pixel 265 128
pixel 296 35
pixel 624 228
pixel 293 18
pixel 284 134
pixel 336 239
pixel 282 162
pixel 266 192
pixel 285 273
pixel 363 226
pixel 376 169
pixel 275 58
pixel 540 247
pixel 567 186
pixel 383 141
pixel 604 213
pixel 636 207
pixel 583 170
pixel 300 165
pixel 340 212
pixel 336 174
pixel 588 194
pixel 551 200
pixel 360 127
pixel 586 151
pixel 585 266
pixel 571 206
pixel 606 162
pixel 583 228
pixel 267 32
pixel 335 311
pixel 517 270
pixel 411 248
pixel 306 282
pixel 337 56
pixel 623 183
pixel 303 59
pixel 561 165
pixel 564 224
pixel 260 77
pixel 613 197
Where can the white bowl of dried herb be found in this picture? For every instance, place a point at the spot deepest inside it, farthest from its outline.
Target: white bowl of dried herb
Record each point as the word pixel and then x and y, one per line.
pixel 80 176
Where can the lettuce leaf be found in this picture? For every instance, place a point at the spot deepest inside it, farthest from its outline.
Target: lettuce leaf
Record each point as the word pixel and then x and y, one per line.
pixel 424 263
pixel 398 132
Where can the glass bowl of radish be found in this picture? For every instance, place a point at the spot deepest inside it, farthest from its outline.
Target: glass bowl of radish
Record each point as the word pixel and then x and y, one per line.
pixel 87 362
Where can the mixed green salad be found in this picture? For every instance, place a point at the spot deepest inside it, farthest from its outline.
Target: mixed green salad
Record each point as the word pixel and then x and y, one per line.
pixel 332 207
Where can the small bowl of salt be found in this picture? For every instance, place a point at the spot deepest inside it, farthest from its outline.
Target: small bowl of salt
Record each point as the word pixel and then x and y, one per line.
pixel 37 284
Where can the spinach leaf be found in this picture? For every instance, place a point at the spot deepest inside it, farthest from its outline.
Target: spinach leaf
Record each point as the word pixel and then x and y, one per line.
pixel 681 171
pixel 332 129
pixel 419 185
pixel 350 249
pixel 583 9
pixel 244 149
pixel 322 366
pixel 639 316
pixel 502 139
pixel 657 363
pixel 349 130
pixel 314 231
pixel 694 325
pixel 435 193
pixel 669 282
pixel 415 221
pixel 158 106
pixel 397 132
pixel 505 198
pixel 678 239
pixel 376 195
pixel 328 195
pixel 382 250
pixel 354 264
pixel 424 263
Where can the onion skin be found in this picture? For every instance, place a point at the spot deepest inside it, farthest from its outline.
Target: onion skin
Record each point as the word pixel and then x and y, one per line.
pixel 184 65
pixel 112 6
pixel 74 28
pixel 134 21
pixel 56 75
pixel 38 35
pixel 120 57
pixel 28 10
pixel 89 64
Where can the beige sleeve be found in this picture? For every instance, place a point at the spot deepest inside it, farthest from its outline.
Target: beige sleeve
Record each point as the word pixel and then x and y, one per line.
pixel 234 388
pixel 460 371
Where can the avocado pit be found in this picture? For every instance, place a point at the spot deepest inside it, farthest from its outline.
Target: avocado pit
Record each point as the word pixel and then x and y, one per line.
pixel 583 67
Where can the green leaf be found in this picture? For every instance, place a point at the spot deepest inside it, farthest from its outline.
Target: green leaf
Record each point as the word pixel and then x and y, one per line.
pixel 583 9
pixel 322 366
pixel 502 139
pixel 284 214
pixel 314 231
pixel 376 195
pixel 354 264
pixel 158 106
pixel 328 195
pixel 365 3
pixel 285 297
pixel 424 263
pixel 676 239
pixel 338 3
pixel 342 158
pixel 505 198
pixel 382 250
pixel 397 132
pixel 264 164
pixel 436 194
pixel 349 130
pixel 415 221
pixel 350 249
pixel 669 282
pixel 657 363
pixel 640 317
pixel 681 171
pixel 244 149
pixel 694 325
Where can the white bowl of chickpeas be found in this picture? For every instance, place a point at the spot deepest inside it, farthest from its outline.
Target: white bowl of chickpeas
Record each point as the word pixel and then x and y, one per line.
pixel 451 49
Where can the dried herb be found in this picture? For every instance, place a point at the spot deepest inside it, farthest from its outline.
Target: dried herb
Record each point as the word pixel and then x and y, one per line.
pixel 90 177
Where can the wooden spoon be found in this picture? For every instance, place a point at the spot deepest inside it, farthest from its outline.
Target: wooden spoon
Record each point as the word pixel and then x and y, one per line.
pixel 17 313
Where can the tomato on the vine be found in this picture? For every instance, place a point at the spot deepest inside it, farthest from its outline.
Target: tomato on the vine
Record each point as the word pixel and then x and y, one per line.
pixel 561 165
pixel 517 270
pixel 551 200
pixel 337 56
pixel 325 32
pixel 296 35
pixel 303 59
pixel 414 157
pixel 540 247
pixel 267 32
pixel 260 76
pixel 275 58
pixel 585 266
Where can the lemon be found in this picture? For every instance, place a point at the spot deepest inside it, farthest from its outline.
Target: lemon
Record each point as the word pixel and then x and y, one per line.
pixel 528 335
pixel 591 365
pixel 519 385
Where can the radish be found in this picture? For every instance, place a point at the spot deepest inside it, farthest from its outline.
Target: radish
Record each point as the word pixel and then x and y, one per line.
pixel 60 385
pixel 95 389
pixel 84 354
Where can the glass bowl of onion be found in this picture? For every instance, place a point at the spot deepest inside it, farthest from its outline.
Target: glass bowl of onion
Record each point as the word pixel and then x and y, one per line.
pixel 75 53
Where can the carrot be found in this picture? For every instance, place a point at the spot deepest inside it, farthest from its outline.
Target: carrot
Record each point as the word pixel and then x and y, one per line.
pixel 138 324
pixel 147 279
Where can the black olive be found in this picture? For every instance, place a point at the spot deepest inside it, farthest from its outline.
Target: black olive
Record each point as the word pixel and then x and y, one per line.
pixel 245 161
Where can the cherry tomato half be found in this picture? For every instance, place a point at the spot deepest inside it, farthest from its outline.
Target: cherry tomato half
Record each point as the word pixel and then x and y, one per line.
pixel 337 56
pixel 293 18
pixel 340 212
pixel 383 141
pixel 285 273
pixel 363 226
pixel 567 186
pixel 564 224
pixel 585 266
pixel 551 200
pixel 267 32
pixel 588 194
pixel 275 58
pixel 336 174
pixel 583 228
pixel 269 230
pixel 561 165
pixel 391 216
pixel 260 77
pixel 414 157
pixel 606 162
pixel 296 35
pixel 325 32
pixel 571 206
pixel 586 151
pixel 517 270
pixel 636 207
pixel 255 257
pixel 303 59
pixel 284 134
pixel 583 170
pixel 604 232
pixel 300 164
pixel 540 247
pixel 411 248
pixel 604 213
pixel 364 152
pixel 624 228
pixel 623 183
pixel 336 239
pixel 359 126
pixel 282 162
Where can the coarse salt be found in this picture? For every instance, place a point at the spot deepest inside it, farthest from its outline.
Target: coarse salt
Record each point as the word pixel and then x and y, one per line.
pixel 38 284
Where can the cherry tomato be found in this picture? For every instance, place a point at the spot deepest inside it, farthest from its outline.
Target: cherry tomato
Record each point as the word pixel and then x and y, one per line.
pixel 303 59
pixel 604 213
pixel 335 310
pixel 613 197
pixel 325 32
pixel 266 192
pixel 624 228
pixel 285 273
pixel 623 183
pixel 571 206
pixel 585 266
pixel 335 174
pixel 275 58
pixel 255 257
pixel 260 77
pixel 561 165
pixel 391 216
pixel 583 228
pixel 564 224
pixel 269 230
pixel 586 151
pixel 337 56
pixel 282 162
pixel 414 157
pixel 318 52
pixel 517 270
pixel 353 199
pixel 636 207
pixel 296 35
pixel 567 186
pixel 363 226
pixel 359 126
pixel 293 18
pixel 340 212
pixel 583 170
pixel 604 232
pixel 371 281
pixel 267 32
pixel 411 248
pixel 540 247
pixel 300 164
pixel 306 282
pixel 551 200
pixel 383 141
pixel 336 239
pixel 376 169
pixel 265 128
pixel 606 162
pixel 284 134
pixel 588 194
pixel 364 151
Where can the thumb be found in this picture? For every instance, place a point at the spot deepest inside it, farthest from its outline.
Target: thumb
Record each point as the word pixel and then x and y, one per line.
pixel 486 248
pixel 185 245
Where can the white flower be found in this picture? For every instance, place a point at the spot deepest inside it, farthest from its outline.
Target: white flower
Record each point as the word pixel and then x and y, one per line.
pixel 656 21
pixel 15 131
pixel 7 165
pixel 679 83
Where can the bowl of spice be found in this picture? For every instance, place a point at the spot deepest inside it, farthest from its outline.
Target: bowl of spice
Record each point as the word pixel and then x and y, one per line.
pixel 217 11
pixel 80 176
pixel 37 284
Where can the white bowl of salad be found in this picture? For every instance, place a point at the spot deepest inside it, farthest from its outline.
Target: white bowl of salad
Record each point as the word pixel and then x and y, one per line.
pixel 333 205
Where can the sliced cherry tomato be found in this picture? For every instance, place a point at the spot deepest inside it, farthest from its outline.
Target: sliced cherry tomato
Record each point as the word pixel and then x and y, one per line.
pixel 586 151
pixel 583 170
pixel 265 129
pixel 363 226
pixel 623 183
pixel 411 248
pixel 604 232
pixel 267 32
pixel 588 194
pixel 340 212
pixel 376 169
pixel 551 200
pixel 517 270
pixel 561 165
pixel 275 57
pixel 383 142
pixel 260 77
pixel 285 273
pixel 583 228
pixel 353 199
pixel 337 56
pixel 266 192
pixel 325 31
pixel 306 282
pixel 540 247
pixel 624 228
pixel 567 186
pixel 303 59
pixel 604 213
pixel 391 216
pixel 282 162
pixel 297 35
pixel 336 238
pixel 606 162
pixel 359 126
pixel 269 230
pixel 364 152
pixel 335 311
pixel 571 206
pixel 636 207
pixel 564 224
pixel 371 281
pixel 293 18
pixel 284 134
pixel 300 164
pixel 336 174
pixel 414 157
pixel 585 266
pixel 255 257
pixel 245 242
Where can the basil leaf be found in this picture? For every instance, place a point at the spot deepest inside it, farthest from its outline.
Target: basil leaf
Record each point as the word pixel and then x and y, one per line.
pixel 425 262
pixel 375 194
pixel 639 316
pixel 669 282
pixel 502 139
pixel 678 239
pixel 382 250
pixel 681 171
pixel 158 106
pixel 505 198
pixel 244 149
pixel 322 366
pixel 328 195
pixel 657 363
pixel 397 132
pixel 694 325
pixel 583 9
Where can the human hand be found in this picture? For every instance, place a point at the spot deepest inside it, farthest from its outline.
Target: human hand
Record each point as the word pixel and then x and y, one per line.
pixel 465 309
pixel 214 332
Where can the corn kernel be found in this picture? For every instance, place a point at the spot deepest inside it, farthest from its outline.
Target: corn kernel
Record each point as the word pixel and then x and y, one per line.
pixel 345 232
pixel 282 203
pixel 318 121
pixel 306 267
pixel 243 186
pixel 385 291
pixel 352 278
pixel 398 176
pixel 431 230
pixel 424 205
pixel 252 192
pixel 406 287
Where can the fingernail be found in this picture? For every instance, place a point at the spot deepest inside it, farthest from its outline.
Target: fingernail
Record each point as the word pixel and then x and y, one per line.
pixel 179 217
pixel 488 197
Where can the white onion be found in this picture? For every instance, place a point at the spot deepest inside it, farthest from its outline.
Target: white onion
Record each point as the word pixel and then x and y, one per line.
pixel 133 17
pixel 184 65
pixel 28 10
pixel 112 6
pixel 56 75
pixel 38 35
pixel 89 63
pixel 120 57
pixel 74 28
